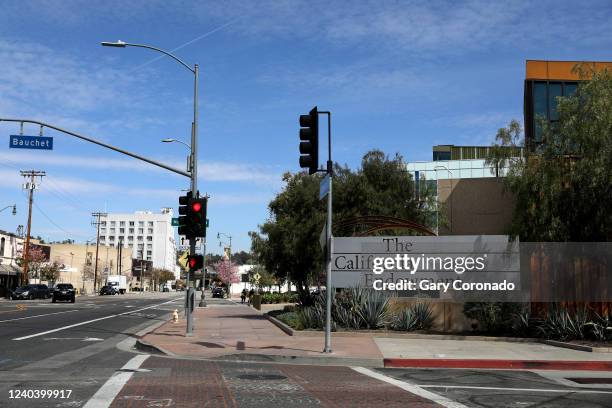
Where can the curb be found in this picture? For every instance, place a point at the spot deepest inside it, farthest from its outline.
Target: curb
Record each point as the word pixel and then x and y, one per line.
pixel 288 330
pixel 147 347
pixel 499 364
pixel 579 347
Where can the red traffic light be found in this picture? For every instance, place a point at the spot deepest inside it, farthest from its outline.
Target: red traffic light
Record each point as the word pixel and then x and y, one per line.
pixel 197 206
pixel 195 262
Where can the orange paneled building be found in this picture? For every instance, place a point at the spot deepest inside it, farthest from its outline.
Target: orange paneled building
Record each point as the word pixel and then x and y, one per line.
pixel 544 82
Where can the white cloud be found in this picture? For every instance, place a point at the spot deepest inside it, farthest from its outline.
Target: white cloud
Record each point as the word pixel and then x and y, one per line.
pixel 208 171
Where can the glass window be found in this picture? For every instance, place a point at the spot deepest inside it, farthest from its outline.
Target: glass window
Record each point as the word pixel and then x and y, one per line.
pixel 140 238
pixel 150 223
pixel 111 238
pixel 112 223
pixel 141 230
pixel 554 91
pixel 112 230
pixel 141 223
pixel 569 88
pixel 149 238
pixel 122 223
pixel 122 230
pixel 103 223
pixel 539 108
pixel 148 258
pixel 131 223
pixel 149 253
pixel 130 238
pixel 131 230
pixel 102 230
pixel 150 231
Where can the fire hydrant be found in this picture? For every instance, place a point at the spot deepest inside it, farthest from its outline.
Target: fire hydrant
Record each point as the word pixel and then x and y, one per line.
pixel 175 316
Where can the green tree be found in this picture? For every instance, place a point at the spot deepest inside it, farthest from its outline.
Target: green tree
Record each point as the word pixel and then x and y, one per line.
pixel 563 189
pixel 287 244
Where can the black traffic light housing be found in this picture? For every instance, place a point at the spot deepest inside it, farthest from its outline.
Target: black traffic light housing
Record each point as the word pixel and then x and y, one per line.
pixel 195 262
pixel 309 141
pixel 183 227
pixel 192 216
pixel 196 212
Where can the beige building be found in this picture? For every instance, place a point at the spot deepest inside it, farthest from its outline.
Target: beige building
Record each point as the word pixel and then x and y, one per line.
pixel 78 262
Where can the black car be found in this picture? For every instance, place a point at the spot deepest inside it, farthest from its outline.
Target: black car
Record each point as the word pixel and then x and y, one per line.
pixel 32 291
pixel 108 290
pixel 218 291
pixel 63 291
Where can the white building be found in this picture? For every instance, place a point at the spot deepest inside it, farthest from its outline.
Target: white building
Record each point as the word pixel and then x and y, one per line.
pixel 150 235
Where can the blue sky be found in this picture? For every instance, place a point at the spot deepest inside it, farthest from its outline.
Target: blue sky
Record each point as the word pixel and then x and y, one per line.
pixel 398 75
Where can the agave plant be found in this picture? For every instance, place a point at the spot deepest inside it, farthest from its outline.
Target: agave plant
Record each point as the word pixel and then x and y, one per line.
pixel 375 310
pixel 417 317
pixel 424 315
pixel 600 328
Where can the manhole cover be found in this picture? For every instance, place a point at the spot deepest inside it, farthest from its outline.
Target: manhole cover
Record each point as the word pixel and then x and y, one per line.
pixel 261 377
pixel 605 380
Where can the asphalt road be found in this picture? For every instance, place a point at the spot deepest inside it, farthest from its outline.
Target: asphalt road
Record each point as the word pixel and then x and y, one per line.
pixel 71 346
pixel 83 350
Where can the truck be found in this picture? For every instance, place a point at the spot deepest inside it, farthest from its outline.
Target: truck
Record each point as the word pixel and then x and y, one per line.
pixel 169 286
pixel 119 282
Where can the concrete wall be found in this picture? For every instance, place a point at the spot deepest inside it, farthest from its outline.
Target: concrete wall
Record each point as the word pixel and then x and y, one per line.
pixel 475 206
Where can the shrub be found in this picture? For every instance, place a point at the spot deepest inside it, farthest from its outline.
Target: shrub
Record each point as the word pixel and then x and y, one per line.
pixel 292 319
pixel 493 317
pixel 560 324
pixel 417 317
pixel 374 310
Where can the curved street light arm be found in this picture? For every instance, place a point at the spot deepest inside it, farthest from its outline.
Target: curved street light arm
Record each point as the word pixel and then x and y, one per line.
pixel 177 59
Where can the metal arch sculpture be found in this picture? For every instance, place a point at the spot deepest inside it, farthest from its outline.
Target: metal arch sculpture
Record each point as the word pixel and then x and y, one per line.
pixel 382 222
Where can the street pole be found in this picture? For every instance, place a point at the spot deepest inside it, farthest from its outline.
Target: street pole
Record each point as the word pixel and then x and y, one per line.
pixel 31 186
pixel 193 174
pixel 330 241
pixel 97 216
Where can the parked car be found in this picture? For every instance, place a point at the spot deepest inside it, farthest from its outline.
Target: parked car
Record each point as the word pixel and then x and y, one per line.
pixel 32 291
pixel 218 291
pixel 64 291
pixel 108 290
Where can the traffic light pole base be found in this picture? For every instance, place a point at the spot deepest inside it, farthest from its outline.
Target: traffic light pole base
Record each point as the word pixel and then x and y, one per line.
pixel 202 300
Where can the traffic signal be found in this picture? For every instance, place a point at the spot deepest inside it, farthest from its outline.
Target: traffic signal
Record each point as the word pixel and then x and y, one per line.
pixel 192 216
pixel 309 141
pixel 196 213
pixel 184 227
pixel 195 262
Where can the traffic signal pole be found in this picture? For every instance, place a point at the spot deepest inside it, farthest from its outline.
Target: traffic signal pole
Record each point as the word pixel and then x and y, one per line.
pixel 190 293
pixel 330 240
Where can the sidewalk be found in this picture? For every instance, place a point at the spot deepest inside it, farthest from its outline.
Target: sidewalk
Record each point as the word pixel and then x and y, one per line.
pixel 240 332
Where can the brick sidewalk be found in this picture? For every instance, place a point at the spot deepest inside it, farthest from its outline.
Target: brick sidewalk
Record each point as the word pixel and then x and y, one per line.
pixel 231 330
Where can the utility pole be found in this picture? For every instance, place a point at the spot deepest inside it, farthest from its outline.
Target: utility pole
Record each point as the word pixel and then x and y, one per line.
pixel 31 186
pixel 96 222
pixel 84 266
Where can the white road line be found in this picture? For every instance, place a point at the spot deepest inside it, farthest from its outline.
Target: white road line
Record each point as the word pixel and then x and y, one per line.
pixel 582 391
pixel 412 388
pixel 87 322
pixel 40 315
pixel 104 397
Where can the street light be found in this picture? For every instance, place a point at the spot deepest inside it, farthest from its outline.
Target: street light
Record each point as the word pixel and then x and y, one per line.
pixel 194 146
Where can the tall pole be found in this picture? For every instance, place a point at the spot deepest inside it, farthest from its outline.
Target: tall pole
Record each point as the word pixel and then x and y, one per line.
pixel 31 186
pixel 330 243
pixel 84 267
pixel 97 216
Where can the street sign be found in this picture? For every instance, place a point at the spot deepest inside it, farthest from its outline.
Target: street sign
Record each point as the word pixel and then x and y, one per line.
pixel 175 222
pixel 183 259
pixel 323 237
pixel 324 187
pixel 31 142
pixel 257 277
